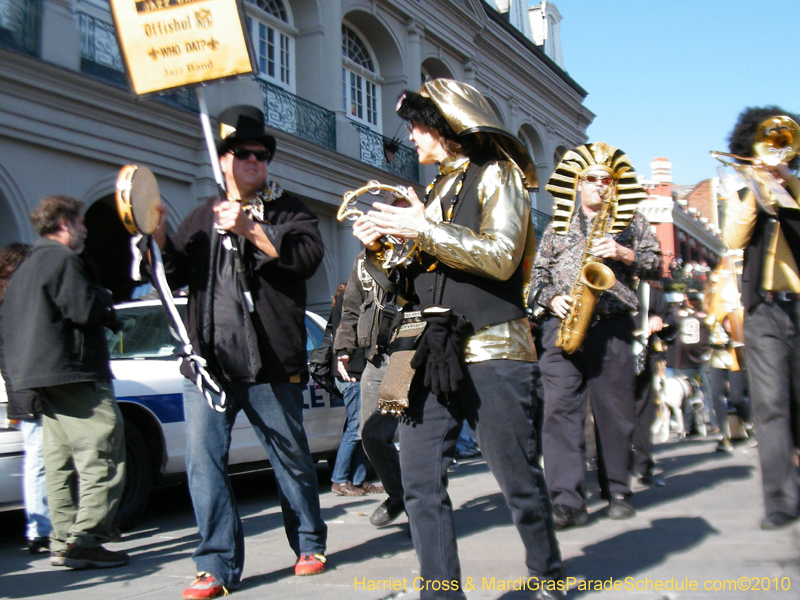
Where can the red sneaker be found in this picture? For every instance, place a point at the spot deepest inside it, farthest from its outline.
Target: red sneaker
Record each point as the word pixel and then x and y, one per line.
pixel 310 564
pixel 204 587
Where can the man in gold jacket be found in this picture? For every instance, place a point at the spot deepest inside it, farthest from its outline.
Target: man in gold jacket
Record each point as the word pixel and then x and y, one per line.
pixel 764 221
pixel 476 239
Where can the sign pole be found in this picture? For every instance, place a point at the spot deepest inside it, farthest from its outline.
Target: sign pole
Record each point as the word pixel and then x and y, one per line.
pixel 212 149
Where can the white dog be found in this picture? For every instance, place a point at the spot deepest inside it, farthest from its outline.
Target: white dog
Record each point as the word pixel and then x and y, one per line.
pixel 673 391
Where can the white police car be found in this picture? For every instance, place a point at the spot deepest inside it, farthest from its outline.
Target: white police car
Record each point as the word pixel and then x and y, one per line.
pixel 148 386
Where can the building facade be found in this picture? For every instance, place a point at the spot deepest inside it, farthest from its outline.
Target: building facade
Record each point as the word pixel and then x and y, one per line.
pixel 330 75
pixel 687 222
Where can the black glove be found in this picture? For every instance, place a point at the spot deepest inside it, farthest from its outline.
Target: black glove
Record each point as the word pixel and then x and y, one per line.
pixel 440 349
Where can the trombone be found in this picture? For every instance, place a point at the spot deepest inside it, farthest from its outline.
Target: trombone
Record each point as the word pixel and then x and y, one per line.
pixel 777 140
pixel 395 251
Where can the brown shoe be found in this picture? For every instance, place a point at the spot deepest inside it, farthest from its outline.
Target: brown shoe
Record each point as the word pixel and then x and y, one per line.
pixel 370 488
pixel 346 489
pixel 78 557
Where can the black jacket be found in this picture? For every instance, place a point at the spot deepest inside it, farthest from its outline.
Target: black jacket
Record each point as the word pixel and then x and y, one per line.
pixel 24 404
pixel 357 362
pixel 268 345
pixel 53 319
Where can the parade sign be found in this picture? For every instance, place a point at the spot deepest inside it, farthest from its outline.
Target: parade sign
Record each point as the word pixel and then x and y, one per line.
pixel 169 44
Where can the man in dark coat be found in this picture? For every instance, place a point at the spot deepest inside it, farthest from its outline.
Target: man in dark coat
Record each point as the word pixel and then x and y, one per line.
pixel 55 344
pixel 596 195
pixel 246 260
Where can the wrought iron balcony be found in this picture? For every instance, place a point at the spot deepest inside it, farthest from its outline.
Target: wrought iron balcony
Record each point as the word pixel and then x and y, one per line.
pixel 540 222
pixel 387 154
pixel 101 59
pixel 292 114
pixel 21 25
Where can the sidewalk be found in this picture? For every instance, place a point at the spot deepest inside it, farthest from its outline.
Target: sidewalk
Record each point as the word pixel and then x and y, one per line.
pixel 703 525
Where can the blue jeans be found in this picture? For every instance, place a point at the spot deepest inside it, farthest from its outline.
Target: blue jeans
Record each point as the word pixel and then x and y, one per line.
pixel 276 413
pixel 350 463
pixel 466 444
pixel 36 510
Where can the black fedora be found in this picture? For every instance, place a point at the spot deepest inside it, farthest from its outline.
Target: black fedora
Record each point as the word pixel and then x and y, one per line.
pixel 248 128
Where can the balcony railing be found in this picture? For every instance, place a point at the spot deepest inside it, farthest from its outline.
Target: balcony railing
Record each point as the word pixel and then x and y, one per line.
pixel 20 25
pixel 540 222
pixel 101 59
pixel 292 114
pixel 387 154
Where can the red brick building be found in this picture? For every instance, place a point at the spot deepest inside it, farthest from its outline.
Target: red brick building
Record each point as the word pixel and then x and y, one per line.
pixel 686 220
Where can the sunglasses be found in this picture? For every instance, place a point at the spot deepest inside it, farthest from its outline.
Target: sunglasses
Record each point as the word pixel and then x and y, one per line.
pixel 605 180
pixel 244 154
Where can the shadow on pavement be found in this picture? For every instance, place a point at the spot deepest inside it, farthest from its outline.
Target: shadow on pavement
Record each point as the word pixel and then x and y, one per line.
pixel 600 561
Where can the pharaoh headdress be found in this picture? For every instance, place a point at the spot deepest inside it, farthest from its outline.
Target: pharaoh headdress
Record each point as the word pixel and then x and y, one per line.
pixel 576 163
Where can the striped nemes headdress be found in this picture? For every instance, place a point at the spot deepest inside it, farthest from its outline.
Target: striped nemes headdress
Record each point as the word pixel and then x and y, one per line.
pixel 576 163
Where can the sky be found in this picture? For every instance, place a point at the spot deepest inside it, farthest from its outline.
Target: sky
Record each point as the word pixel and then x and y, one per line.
pixel 668 78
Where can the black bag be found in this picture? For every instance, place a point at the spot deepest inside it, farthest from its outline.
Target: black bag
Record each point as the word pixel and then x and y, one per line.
pixel 319 367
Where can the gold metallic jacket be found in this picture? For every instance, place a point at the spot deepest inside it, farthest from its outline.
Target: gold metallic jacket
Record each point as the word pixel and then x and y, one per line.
pixel 505 238
pixel 780 269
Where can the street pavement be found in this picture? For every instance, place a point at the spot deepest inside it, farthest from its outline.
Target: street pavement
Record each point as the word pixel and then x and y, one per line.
pixel 701 527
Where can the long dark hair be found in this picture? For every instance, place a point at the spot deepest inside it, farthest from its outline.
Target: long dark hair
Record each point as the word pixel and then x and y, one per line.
pixel 339 291
pixel 416 107
pixel 11 257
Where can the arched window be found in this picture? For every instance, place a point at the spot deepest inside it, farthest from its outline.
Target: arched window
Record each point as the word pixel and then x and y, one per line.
pixel 361 90
pixel 523 137
pixel 269 23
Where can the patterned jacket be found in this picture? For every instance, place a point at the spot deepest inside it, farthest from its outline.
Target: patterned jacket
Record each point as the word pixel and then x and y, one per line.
pixel 558 262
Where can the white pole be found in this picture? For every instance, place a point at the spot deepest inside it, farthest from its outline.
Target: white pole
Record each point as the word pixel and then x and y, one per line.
pixel 212 149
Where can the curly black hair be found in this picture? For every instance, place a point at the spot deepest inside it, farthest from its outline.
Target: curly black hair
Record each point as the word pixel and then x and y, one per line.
pixel 742 138
pixel 416 107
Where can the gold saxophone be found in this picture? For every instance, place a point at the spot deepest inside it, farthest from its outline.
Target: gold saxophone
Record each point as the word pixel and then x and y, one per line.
pixel 593 278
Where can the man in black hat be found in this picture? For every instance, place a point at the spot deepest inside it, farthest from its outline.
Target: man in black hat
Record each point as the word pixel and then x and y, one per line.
pixel 246 260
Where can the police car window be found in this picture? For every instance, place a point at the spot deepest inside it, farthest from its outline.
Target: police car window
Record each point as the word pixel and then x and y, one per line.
pixel 146 333
pixel 314 337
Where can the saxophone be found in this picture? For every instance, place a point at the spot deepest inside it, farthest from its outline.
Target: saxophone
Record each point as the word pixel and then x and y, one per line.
pixel 593 279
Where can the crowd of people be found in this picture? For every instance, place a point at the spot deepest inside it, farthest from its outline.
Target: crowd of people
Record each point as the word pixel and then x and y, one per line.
pixel 483 338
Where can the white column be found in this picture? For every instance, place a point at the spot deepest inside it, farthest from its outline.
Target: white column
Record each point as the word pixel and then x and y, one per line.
pixel 413 60
pixel 61 37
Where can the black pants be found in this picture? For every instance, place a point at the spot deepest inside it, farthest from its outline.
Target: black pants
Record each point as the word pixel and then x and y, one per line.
pixel 735 393
pixel 497 399
pixel 772 345
pixel 378 431
pixel 645 404
pixel 604 369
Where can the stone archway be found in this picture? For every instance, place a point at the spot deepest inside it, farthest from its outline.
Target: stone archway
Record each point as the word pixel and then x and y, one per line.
pixel 435 68
pixel 391 64
pixel 107 252
pixel 14 223
pixel 496 107
pixel 9 227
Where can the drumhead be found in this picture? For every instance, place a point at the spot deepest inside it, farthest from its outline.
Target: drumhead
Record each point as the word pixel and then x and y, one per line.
pixel 137 199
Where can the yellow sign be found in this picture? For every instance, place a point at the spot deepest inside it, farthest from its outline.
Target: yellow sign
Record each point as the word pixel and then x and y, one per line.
pixel 168 44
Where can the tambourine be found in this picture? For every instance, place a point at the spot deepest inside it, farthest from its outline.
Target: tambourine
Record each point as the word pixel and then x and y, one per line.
pixel 137 199
pixel 395 251
pixel 349 210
